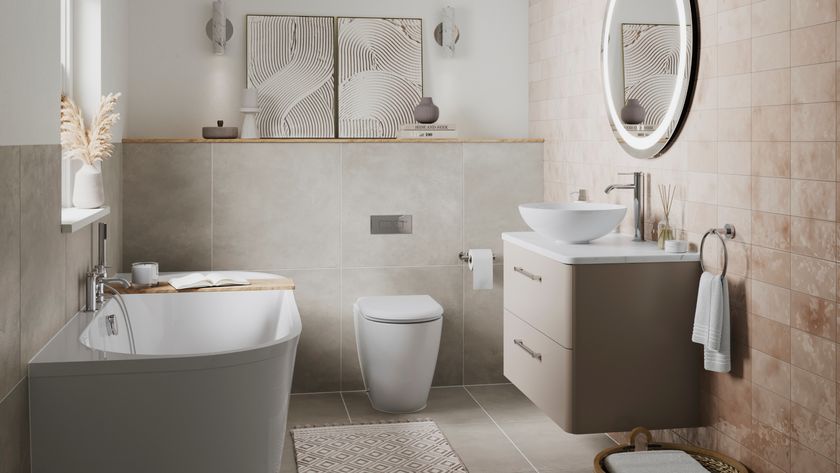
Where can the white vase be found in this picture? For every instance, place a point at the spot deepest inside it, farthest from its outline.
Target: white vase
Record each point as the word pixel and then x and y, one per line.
pixel 88 191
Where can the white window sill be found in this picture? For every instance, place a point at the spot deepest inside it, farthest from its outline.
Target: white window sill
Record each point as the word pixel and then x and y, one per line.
pixel 73 219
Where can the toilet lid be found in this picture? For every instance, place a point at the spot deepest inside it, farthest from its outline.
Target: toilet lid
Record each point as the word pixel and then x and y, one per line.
pixel 399 309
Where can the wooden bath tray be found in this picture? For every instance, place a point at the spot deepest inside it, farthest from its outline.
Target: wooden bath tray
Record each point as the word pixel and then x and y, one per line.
pixel 279 284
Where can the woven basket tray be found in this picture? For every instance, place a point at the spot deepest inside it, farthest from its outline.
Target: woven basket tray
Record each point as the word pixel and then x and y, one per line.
pixel 711 460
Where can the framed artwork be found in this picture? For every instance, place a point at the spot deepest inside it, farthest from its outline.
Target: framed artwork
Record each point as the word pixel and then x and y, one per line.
pixel 291 63
pixel 651 56
pixel 379 75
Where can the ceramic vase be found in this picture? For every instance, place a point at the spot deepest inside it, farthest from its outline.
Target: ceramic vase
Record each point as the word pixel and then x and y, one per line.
pixel 633 113
pixel 426 111
pixel 88 191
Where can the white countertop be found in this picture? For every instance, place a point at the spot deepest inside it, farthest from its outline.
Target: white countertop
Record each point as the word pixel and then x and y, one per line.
pixel 610 249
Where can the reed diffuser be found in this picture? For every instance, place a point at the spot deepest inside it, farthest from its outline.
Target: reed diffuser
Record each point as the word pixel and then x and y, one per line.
pixel 665 230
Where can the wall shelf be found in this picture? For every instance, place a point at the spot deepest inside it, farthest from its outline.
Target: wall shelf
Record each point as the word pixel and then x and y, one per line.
pixel 334 140
pixel 73 219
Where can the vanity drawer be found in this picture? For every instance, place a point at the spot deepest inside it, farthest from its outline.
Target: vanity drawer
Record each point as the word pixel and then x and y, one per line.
pixel 540 368
pixel 539 291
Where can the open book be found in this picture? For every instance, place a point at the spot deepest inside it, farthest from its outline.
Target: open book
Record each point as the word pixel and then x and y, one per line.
pixel 197 280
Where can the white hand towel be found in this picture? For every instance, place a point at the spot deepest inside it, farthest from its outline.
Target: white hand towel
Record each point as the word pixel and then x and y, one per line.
pixel 700 333
pixel 717 352
pixel 653 461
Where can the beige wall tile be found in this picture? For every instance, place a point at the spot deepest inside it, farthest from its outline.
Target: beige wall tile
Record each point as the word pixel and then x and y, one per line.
pixel 813 276
pixel 771 230
pixel 770 159
pixel 771 409
pixel 770 266
pixel 805 459
pixel 734 191
pixel 734 91
pixel 770 444
pixel 769 87
pixel 813 122
pixel 813 45
pixel 176 177
pixel 771 373
pixel 734 24
pixel 814 354
pixel 810 428
pixel 813 315
pixel 770 337
pixel 10 366
pixel 815 199
pixel 813 160
pixel 14 430
pixel 813 392
pixel 734 157
pixel 735 124
pixel 816 238
pixel 734 58
pixel 812 12
pixel 771 194
pixel 814 83
pixel 771 123
pixel 771 52
pixel 769 301
pixel 770 16
pixel 701 187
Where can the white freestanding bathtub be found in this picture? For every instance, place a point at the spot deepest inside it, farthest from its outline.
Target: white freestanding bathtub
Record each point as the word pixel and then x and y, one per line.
pixel 205 388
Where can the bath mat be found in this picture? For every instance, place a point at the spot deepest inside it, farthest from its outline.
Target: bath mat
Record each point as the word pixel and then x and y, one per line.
pixel 399 447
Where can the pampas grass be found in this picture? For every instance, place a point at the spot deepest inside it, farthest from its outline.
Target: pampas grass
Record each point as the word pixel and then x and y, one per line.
pixel 88 145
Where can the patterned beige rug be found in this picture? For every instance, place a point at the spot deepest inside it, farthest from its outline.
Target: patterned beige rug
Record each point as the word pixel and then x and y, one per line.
pixel 402 447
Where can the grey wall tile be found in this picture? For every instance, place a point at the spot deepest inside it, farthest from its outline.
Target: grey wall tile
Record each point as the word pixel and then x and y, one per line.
pixel 166 205
pixel 275 206
pixel 14 431
pixel 10 372
pixel 42 248
pixel 483 331
pixel 79 262
pixel 318 360
pixel 444 284
pixel 113 178
pixel 497 178
pixel 424 180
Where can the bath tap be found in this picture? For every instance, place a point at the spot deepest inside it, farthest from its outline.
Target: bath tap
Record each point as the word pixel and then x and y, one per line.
pixel 97 279
pixel 638 202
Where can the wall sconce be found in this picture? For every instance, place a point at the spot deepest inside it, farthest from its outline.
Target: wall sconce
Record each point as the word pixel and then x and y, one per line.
pixel 219 29
pixel 446 32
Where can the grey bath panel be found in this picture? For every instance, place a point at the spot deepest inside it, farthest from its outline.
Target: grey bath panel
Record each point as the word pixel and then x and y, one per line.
pixel 10 366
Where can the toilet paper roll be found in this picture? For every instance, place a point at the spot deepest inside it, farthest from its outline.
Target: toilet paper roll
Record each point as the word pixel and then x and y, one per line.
pixel 481 265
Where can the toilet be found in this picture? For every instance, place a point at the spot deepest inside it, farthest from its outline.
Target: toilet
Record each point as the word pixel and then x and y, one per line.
pixel 397 338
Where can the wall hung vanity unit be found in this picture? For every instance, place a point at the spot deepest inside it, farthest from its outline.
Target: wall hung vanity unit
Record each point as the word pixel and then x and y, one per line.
pixel 597 335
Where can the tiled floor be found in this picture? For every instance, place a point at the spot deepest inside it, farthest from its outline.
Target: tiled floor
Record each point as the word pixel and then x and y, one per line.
pixel 494 429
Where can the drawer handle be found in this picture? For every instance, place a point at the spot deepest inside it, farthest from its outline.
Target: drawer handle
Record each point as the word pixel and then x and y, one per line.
pixel 531 352
pixel 527 274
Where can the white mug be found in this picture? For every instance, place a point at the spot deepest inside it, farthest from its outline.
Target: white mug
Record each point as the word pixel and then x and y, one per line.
pixel 144 274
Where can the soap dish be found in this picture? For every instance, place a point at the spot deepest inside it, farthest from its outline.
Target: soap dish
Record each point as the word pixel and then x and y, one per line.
pixel 220 132
pixel 676 246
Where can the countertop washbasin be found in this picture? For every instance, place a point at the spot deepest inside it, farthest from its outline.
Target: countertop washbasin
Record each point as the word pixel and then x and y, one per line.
pixel 574 222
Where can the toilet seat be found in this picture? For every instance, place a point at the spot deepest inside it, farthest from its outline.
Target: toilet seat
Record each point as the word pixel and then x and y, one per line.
pixel 399 309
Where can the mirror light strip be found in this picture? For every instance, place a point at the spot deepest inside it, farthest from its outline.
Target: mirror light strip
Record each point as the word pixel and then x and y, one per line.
pixel 649 141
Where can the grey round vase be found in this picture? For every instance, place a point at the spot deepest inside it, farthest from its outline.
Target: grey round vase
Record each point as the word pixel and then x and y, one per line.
pixel 633 113
pixel 426 111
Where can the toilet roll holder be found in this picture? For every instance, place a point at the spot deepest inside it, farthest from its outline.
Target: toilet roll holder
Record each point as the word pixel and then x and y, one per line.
pixel 465 257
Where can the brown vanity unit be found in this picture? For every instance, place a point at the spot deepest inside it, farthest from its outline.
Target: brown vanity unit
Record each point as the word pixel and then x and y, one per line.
pixel 598 335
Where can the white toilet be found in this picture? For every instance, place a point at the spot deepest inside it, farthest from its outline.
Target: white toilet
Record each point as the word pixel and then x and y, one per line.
pixel 397 338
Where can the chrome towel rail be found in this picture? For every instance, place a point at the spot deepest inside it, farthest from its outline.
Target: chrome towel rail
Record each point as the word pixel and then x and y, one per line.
pixel 725 233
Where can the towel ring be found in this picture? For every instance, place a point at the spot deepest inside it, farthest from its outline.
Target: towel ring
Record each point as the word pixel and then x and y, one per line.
pixel 728 232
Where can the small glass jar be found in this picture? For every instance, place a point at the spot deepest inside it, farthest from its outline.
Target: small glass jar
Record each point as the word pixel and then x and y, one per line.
pixel 664 232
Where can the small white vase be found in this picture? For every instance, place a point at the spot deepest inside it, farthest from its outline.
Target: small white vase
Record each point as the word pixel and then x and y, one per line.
pixel 88 191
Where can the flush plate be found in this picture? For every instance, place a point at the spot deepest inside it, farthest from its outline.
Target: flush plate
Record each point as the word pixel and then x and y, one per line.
pixel 390 224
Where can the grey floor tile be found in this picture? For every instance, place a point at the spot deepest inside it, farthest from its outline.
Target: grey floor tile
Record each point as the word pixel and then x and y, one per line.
pixel 316 409
pixel 485 449
pixel 552 450
pixel 506 403
pixel 446 406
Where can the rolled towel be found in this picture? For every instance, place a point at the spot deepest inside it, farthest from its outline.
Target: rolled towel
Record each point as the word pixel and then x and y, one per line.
pixel 717 351
pixel 700 332
pixel 653 461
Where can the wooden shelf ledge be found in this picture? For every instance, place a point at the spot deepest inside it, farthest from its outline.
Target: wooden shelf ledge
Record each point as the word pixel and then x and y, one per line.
pixel 335 140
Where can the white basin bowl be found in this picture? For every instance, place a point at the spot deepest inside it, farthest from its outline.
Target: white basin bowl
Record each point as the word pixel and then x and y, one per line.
pixel 575 222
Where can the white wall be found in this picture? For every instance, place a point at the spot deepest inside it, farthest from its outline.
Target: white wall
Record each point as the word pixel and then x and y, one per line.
pixel 177 85
pixel 30 76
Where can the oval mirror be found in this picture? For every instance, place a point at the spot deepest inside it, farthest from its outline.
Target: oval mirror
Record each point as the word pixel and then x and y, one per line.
pixel 649 55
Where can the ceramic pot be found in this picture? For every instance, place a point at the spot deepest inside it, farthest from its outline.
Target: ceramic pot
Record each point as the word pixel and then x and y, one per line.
pixel 426 111
pixel 633 113
pixel 88 191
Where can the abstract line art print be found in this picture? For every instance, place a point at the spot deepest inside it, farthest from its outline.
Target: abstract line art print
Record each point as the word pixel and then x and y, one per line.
pixel 651 59
pixel 291 62
pixel 380 75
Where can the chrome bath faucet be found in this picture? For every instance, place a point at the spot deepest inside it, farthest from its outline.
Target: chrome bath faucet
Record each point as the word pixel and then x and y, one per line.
pixel 638 202
pixel 98 278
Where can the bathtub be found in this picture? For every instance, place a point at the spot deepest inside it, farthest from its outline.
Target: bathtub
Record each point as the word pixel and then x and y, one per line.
pixel 205 388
